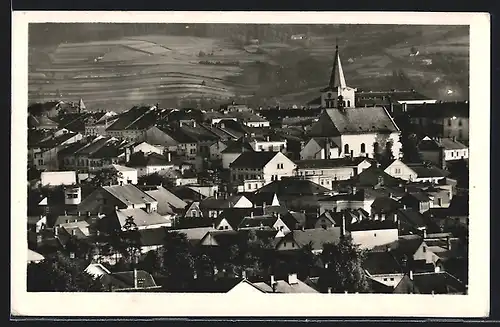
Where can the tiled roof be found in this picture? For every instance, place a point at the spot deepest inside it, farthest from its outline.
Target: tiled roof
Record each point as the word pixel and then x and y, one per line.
pixel 162 195
pixel 185 193
pixel 129 194
pixel 121 168
pixel 257 222
pixel 128 118
pixel 94 146
pixel 108 150
pixel 368 224
pixel 194 234
pixel 253 159
pixel 141 217
pixel 360 120
pixel 220 203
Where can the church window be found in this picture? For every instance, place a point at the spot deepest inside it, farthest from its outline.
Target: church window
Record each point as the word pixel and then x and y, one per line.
pixel 346 149
pixel 348 103
pixel 459 122
pixel 375 147
pixel 363 148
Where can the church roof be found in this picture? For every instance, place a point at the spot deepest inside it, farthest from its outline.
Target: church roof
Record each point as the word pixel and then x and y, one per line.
pixel 359 120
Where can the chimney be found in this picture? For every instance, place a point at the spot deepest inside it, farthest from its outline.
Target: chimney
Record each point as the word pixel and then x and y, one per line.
pixel 382 216
pixel 327 148
pixel 251 214
pixel 244 274
pixel 116 208
pixel 395 217
pixel 329 290
pixel 404 106
pixel 65 213
pixel 354 190
pixel 194 124
pixel 216 195
pixel 169 157
pixel 88 213
pixel 424 233
pixel 267 138
pixel 272 280
pixel 411 274
pixel 448 243
pixel 135 277
pixel 342 228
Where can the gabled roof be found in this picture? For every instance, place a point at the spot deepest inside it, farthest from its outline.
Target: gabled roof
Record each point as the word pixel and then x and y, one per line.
pixel 127 119
pixel 253 159
pixel 358 121
pixel 121 168
pixel 141 217
pixel 266 221
pixel 109 150
pixel 437 283
pixel 223 239
pixel 384 204
pixel 405 245
pixel 184 192
pixel 316 236
pixel 129 194
pixel 55 141
pixel 166 199
pixel 220 202
pixel 34 256
pixel 372 176
pixel 234 216
pixel 149 159
pixel 368 224
pixel 419 196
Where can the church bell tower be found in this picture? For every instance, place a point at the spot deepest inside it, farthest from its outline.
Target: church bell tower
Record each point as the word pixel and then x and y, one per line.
pixel 337 94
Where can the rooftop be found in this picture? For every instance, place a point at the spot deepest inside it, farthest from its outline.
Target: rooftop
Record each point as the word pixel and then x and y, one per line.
pixel 253 159
pixel 329 163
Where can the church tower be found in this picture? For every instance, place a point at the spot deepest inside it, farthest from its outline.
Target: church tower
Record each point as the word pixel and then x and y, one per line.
pixel 337 94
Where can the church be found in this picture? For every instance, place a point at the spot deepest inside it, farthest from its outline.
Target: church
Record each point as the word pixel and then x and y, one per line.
pixel 352 131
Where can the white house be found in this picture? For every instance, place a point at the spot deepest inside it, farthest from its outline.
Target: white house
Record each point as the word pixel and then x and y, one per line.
pixel 268 143
pixel 147 148
pixel 319 148
pixel 151 163
pixel 437 150
pixel 399 169
pixel 267 166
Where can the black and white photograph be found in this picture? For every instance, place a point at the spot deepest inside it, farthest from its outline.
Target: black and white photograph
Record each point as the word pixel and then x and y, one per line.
pixel 186 157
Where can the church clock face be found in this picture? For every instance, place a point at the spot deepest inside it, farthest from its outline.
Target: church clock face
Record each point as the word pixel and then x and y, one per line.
pixel 329 95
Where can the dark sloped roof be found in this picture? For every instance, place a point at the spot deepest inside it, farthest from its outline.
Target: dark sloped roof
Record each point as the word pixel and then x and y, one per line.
pixel 257 222
pixel 55 141
pixel 153 236
pixel 239 146
pixel 234 216
pixel 150 159
pixel 368 224
pixel 370 177
pixel 412 218
pixel 381 262
pixel 384 204
pixel 253 159
pixel 129 194
pixel 293 186
pixel 126 119
pixel 316 236
pixel 427 171
pixel 439 283
pixel 107 151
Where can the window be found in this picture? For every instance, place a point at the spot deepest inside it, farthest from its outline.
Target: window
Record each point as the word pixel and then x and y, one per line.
pixel 280 166
pixel 392 279
pixel 348 103
pixel 346 149
pixel 375 147
pixel 226 227
pixel 460 122
pixel 40 162
pixel 293 245
pixel 449 122
pixel 363 148
pixel 255 186
pixel 397 170
pixel 72 196
pixel 385 279
pixel 424 249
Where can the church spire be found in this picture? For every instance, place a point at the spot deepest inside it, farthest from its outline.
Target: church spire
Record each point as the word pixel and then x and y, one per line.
pixel 337 78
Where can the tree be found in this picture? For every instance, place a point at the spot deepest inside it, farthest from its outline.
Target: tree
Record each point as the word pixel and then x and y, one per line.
pixel 106 176
pixel 58 273
pixel 177 261
pixel 343 270
pixel 131 240
pixel 155 179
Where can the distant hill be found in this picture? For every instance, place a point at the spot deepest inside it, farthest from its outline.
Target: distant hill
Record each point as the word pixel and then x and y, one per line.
pixel 116 66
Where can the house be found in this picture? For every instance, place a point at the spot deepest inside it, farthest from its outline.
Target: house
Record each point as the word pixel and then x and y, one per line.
pixel 374 177
pixel 129 281
pixel 319 148
pixel 152 239
pixel 411 250
pixel 187 194
pixel 442 119
pixel 316 237
pixel 442 150
pixel 195 234
pixel 193 210
pixel 233 150
pixel 411 222
pixel 371 233
pixel 213 206
pixel 231 218
pixel 384 207
pixel 418 201
pixel 220 238
pixel 267 166
pixel 34 257
pixel 249 119
pixel 96 270
pixel 106 198
pixel 149 163
pixel 55 178
pixel 160 137
pixel 45 152
pixel 330 218
pixel 398 169
pixel 126 175
pixel 146 148
pixel 328 171
pixel 357 131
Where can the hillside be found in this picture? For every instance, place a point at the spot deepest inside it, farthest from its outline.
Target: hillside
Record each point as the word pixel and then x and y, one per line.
pixel 117 66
